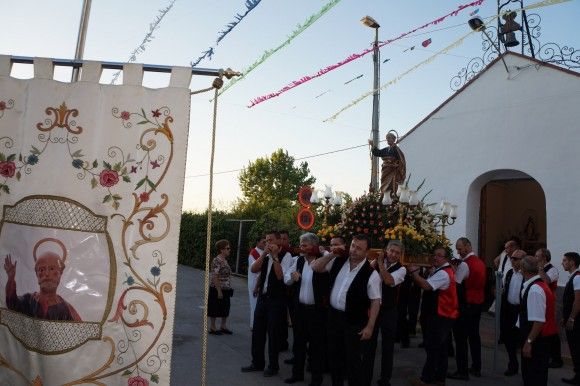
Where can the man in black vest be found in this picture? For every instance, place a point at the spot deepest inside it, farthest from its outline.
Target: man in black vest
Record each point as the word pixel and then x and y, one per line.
pixel 310 298
pixel 510 309
pixel 355 300
pixel 269 314
pixel 570 311
pixel 392 275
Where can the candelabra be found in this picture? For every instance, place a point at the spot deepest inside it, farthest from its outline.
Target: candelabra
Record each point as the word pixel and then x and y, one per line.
pixel 406 198
pixel 328 200
pixel 446 216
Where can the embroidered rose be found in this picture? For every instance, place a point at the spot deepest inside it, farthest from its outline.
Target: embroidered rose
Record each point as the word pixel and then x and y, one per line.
pixel 108 178
pixel 125 115
pixel 7 169
pixel 2 105
pixel 144 197
pixel 137 381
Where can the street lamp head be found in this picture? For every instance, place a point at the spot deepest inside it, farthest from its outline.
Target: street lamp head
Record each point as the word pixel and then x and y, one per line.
pixel 476 24
pixel 370 22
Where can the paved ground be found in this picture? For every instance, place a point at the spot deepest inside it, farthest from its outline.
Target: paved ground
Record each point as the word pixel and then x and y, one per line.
pixel 226 354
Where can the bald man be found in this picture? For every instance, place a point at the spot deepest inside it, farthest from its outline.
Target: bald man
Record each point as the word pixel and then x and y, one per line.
pixel 46 304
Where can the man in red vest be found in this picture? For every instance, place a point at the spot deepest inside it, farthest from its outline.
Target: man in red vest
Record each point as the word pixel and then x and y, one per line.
pixel 550 276
pixel 466 328
pixel 439 310
pixel 536 322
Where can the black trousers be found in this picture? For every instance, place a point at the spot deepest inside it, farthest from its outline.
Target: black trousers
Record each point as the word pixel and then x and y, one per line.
pixel 573 337
pixel 309 332
pixel 413 307
pixel 535 369
pixel 555 347
pixel 403 326
pixel 466 330
pixel 267 323
pixel 388 324
pixel 436 330
pixel 347 352
pixel 509 333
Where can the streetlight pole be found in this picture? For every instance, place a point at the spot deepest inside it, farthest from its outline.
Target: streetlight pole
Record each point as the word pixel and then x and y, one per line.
pixel 371 23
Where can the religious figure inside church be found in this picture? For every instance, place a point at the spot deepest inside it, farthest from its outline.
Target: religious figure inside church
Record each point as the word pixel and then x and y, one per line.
pixel 393 170
pixel 46 304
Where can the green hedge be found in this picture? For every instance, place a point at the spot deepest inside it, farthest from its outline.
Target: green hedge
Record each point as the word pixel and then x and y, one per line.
pixel 193 235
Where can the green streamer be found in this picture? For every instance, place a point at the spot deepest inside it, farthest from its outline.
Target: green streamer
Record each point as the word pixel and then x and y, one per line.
pixel 299 29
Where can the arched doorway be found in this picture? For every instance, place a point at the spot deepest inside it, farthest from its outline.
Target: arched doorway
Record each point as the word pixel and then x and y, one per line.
pixel 503 204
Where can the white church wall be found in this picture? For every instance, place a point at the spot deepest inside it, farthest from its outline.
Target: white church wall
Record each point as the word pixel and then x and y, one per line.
pixel 527 123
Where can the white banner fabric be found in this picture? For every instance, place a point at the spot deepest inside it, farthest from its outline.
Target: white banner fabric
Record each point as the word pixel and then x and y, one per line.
pixel 91 188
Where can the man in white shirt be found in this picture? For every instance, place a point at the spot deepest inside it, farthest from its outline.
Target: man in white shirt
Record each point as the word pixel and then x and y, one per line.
pixel 502 262
pixel 536 322
pixel 510 308
pixel 571 311
pixel 253 277
pixel 310 297
pixel 270 308
pixel 355 300
pixel 550 276
pixel 439 310
pixel 392 275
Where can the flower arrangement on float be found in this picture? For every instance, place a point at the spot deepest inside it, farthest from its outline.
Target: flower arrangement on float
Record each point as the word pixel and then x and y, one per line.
pixel 326 233
pixel 393 216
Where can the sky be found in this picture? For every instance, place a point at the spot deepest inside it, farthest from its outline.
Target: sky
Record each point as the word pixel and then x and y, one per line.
pixel 295 120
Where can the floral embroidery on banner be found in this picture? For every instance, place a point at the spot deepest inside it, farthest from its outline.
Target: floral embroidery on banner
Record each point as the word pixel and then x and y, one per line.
pixel 6 105
pixel 143 222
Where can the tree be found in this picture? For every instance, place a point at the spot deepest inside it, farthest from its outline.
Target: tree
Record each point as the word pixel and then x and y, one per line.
pixel 272 182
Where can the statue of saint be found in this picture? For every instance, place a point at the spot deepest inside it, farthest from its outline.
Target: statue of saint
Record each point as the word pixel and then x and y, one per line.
pixel 394 168
pixel 46 304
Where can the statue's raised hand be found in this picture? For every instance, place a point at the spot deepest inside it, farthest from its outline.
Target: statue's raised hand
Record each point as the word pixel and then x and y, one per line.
pixel 10 267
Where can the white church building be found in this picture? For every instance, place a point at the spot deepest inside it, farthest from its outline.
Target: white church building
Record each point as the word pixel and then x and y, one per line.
pixel 505 149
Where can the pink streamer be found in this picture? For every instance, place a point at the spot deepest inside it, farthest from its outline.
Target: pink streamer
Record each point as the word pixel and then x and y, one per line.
pixel 353 57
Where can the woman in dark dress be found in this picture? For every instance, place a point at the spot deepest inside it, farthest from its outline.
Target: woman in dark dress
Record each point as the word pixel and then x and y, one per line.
pixel 220 289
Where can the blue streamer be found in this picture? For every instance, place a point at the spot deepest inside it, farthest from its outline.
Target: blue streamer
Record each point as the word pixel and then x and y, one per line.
pixel 250 5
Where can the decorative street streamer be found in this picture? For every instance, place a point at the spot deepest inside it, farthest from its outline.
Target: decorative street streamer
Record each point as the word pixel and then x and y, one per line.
pixel 300 28
pixel 395 80
pixel 148 37
pixel 250 5
pixel 458 42
pixel 356 77
pixel 353 57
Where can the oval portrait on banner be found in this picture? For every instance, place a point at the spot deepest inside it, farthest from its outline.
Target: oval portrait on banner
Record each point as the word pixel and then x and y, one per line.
pixel 57 265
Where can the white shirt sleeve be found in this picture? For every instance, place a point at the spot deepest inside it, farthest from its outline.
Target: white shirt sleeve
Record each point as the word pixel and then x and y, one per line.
pixel 288 273
pixel 398 276
pixel 536 304
pixel 553 274
pixel 576 283
pixel 440 280
pixel 286 262
pixel 462 272
pixel 329 264
pixel 374 290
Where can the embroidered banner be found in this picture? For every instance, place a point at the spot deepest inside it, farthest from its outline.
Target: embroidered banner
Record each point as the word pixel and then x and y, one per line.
pixel 91 185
